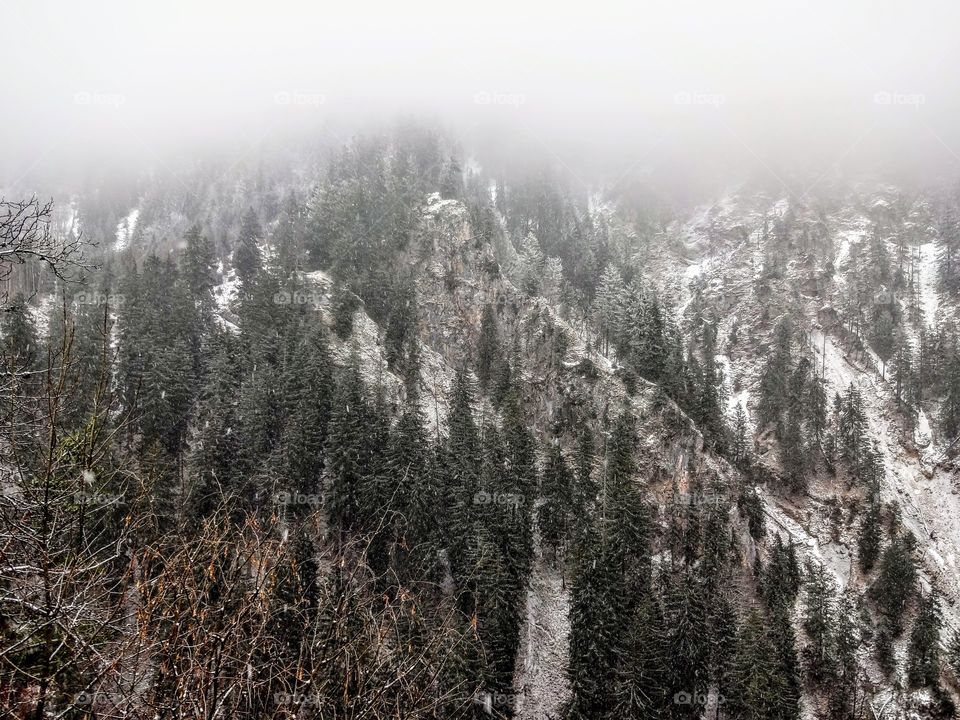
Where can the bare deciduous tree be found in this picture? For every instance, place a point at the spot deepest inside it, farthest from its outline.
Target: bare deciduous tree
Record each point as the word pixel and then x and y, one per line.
pixel 25 236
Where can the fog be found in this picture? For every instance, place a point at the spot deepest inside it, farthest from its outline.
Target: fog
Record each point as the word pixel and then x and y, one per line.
pixel 810 88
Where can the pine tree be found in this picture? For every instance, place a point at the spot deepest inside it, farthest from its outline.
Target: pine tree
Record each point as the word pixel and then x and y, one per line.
pixel 309 387
pixel 411 483
pixel 465 457
pixel 585 493
pixel 348 466
pixel 260 416
pixel 530 265
pixel 722 629
pixel 950 409
pixel 608 306
pixel 554 516
pixel 953 652
pixel 716 544
pixel 595 636
pixel 198 268
pixel 923 655
pixel 247 260
pixel 787 665
pixel 691 532
pixel 740 448
pixel 640 689
pixel 774 380
pixel 903 373
pixel 489 353
pixel 792 451
pixel 816 412
pixel 217 443
pixel 166 396
pixel 844 692
pixel 288 236
pixel 868 539
pixel 20 353
pixel 20 345
pixel 753 686
pixel 521 482
pixel 819 623
pixel 344 304
pixel 782 579
pixel 497 614
pixel 896 581
pixel 401 324
pixel 751 506
pixel 852 426
pixel 687 654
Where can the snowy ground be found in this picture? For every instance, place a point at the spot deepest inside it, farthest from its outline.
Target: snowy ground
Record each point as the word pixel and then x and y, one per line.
pixel 927 496
pixel 541 681
pixel 125 229
pixel 930 505
pixel 927 272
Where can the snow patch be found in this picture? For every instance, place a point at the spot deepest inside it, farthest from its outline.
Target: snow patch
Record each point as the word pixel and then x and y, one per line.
pixel 927 271
pixel 226 292
pixel 125 230
pixel 922 434
pixel 437 205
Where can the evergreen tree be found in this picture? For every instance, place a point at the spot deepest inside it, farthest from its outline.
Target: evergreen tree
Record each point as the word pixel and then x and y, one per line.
pixel 687 654
pixel 722 628
pixel 754 686
pixel 868 539
pixel 844 703
pixel 787 665
pixel 595 635
pixel 585 493
pixel 489 353
pixel 953 652
pixel 774 380
pixel 247 260
pixel 20 345
pixel 344 304
pixel 750 505
pixel 349 467
pixel 309 387
pixel 817 410
pixel 411 483
pixel 852 426
pixel 520 484
pixel 465 457
pixel 896 581
pixel 923 654
pixel 608 306
pixel 288 236
pixel 554 516
pixel 950 409
pixel 217 442
pixel 740 447
pixel 819 623
pixel 640 689
pixel 782 579
pixel 198 268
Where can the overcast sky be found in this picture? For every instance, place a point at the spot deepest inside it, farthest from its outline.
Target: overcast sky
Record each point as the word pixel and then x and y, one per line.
pixel 776 82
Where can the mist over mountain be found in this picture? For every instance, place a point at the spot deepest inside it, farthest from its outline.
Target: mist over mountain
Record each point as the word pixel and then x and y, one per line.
pixel 520 361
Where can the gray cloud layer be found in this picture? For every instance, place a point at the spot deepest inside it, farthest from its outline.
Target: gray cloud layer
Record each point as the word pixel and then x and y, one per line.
pixel 775 84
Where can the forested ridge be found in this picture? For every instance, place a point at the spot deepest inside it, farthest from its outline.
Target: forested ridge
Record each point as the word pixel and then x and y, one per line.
pixel 335 442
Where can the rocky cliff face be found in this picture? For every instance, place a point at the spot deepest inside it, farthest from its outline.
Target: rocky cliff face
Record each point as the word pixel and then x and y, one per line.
pixel 717 267
pixel 715 262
